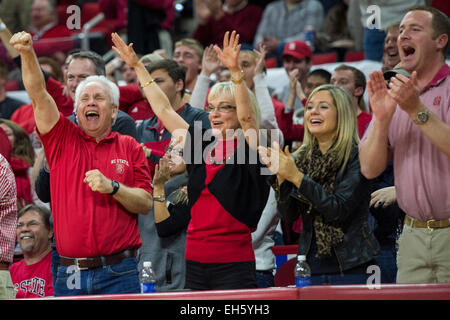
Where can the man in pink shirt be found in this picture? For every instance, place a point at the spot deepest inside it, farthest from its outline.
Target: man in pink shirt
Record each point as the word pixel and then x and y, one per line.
pixel 31 276
pixel 411 125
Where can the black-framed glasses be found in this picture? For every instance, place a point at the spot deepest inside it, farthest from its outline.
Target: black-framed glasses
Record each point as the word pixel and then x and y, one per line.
pixel 221 109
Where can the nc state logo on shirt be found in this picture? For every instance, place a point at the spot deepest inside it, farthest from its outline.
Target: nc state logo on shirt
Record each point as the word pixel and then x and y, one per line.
pixel 120 168
pixel 120 165
pixel 437 101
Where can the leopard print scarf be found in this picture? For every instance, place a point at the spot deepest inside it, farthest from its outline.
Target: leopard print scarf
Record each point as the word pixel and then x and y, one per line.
pixel 322 168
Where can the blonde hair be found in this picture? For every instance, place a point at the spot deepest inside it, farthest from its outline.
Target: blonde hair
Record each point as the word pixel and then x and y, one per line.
pixel 346 137
pixel 227 87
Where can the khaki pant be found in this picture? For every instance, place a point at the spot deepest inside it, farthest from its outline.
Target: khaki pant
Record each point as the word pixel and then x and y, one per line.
pixel 6 286
pixel 423 255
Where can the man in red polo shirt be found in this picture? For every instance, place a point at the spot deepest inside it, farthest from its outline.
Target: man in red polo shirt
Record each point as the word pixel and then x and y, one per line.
pixel 99 182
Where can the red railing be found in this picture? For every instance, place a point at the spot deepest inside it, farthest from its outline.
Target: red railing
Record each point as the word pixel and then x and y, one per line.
pixel 439 291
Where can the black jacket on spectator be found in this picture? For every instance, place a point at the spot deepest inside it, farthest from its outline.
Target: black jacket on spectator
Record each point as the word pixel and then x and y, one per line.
pixel 347 207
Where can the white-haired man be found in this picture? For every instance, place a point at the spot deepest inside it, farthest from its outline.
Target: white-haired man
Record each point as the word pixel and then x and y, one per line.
pixel 99 183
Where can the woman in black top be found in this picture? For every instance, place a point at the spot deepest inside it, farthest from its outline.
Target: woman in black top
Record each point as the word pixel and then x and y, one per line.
pixel 322 182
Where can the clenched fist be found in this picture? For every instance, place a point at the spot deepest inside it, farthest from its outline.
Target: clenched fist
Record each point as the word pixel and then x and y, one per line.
pixel 97 181
pixel 22 41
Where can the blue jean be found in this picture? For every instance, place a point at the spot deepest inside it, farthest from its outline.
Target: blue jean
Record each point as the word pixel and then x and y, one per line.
pixel 336 279
pixel 264 279
pixel 111 279
pixel 387 261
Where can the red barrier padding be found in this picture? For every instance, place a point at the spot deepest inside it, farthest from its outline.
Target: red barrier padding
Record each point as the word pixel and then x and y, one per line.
pixel 435 291
pixel 243 294
pixel 438 291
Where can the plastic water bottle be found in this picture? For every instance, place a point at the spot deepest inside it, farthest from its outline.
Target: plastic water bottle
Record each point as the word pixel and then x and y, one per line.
pixel 302 272
pixel 147 278
pixel 309 37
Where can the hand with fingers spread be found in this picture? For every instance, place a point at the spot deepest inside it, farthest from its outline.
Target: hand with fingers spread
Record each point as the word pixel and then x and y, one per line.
pixel 229 54
pixel 210 61
pixel 97 181
pixel 125 51
pixel 381 102
pixel 261 60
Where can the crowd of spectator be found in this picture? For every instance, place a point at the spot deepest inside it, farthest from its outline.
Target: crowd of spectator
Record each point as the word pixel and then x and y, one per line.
pixel 98 169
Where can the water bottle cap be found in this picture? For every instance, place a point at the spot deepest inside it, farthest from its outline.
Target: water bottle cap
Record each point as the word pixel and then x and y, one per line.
pixel 301 258
pixel 147 264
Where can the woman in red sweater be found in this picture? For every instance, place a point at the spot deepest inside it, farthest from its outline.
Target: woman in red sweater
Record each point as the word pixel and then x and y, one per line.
pixel 227 188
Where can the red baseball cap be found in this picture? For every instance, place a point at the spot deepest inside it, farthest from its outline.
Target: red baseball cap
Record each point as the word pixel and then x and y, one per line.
pixel 297 49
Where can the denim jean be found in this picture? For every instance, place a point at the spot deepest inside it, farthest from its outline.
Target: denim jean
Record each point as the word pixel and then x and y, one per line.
pixel 110 279
pixel 387 261
pixel 265 279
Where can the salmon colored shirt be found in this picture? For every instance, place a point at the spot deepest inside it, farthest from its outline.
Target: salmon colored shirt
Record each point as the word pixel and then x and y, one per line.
pixel 421 170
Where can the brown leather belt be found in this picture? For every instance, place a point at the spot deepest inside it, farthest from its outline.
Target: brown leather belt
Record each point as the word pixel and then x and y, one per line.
pixel 97 262
pixel 4 265
pixel 430 224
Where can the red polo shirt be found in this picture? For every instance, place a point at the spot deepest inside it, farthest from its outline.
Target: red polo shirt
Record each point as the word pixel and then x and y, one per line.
pixel 88 223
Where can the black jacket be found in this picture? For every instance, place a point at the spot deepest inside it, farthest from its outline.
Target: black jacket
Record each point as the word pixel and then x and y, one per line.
pixel 347 208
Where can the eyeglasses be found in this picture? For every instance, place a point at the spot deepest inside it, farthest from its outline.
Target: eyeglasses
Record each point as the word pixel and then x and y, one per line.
pixel 221 109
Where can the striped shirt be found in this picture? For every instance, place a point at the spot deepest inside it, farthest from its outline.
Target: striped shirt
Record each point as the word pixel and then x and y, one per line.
pixel 8 211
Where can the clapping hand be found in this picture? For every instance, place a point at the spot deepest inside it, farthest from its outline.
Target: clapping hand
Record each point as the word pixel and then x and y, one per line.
pixel 279 162
pixel 162 173
pixel 405 92
pixel 381 102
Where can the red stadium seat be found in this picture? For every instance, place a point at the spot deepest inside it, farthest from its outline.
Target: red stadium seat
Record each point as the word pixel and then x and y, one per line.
pixel 351 56
pixel 285 274
pixel 322 58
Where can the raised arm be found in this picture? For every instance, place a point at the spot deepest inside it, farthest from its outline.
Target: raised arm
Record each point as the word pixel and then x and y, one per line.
pixel 156 97
pixel 374 152
pixel 245 113
pixel 46 113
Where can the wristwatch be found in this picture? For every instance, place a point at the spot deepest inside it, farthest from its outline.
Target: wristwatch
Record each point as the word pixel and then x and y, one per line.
pixel 422 117
pixel 115 186
pixel 160 198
